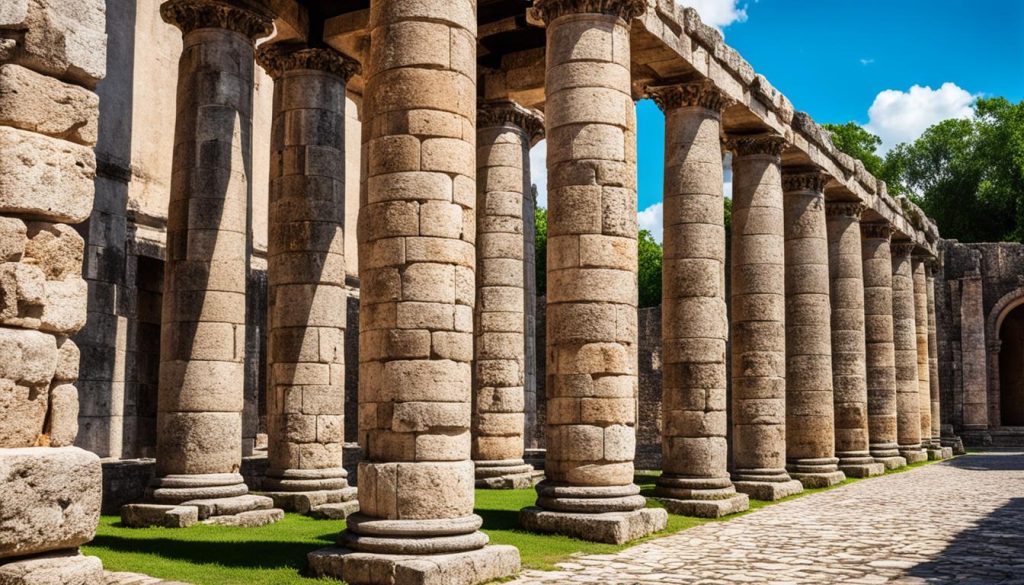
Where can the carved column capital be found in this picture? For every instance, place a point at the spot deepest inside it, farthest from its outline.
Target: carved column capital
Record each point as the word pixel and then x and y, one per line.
pixel 530 121
pixel 805 181
pixel 764 144
pixel 703 93
pixel 627 10
pixel 848 209
pixel 903 248
pixel 242 16
pixel 877 230
pixel 278 58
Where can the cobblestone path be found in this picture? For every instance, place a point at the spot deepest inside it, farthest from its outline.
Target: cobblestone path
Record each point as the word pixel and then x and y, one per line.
pixel 960 521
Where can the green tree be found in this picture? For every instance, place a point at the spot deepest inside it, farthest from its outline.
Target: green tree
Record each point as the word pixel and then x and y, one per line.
pixel 649 270
pixel 857 142
pixel 540 239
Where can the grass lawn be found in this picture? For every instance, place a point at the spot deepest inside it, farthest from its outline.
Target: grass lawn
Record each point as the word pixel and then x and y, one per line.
pixel 276 554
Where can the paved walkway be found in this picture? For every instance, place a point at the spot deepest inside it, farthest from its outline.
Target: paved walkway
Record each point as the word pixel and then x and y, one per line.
pixel 960 521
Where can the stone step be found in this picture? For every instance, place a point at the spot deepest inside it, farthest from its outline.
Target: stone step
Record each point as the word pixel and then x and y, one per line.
pixel 248 519
pixel 335 511
pixel 230 506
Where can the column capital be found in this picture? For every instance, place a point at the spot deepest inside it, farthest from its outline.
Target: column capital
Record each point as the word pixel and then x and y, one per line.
pixel 814 180
pixel 508 112
pixel 848 209
pixel 627 10
pixel 251 19
pixel 704 94
pixel 765 144
pixel 278 58
pixel 903 248
pixel 877 230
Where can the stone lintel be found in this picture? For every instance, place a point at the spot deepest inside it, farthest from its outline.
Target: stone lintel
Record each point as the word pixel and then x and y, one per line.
pixel 819 480
pixel 769 490
pixel 609 527
pixel 862 469
pixel 707 508
pixel 467 568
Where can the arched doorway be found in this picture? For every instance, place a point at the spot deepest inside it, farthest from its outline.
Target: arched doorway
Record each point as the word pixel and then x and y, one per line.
pixel 1011 368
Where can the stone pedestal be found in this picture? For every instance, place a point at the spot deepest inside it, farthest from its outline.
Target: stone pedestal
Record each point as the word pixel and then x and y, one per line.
pixel 880 353
pixel 505 132
pixel 306 278
pixel 759 320
pixel 849 370
pixel 908 394
pixel 695 480
pixel 590 123
pixel 810 423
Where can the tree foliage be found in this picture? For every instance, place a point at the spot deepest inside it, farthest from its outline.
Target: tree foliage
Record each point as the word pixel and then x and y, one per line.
pixel 649 259
pixel 540 240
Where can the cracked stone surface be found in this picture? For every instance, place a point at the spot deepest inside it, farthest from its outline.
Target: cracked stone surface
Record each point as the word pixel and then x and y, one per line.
pixel 952 522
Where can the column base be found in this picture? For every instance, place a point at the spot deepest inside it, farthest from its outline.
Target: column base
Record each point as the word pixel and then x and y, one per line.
pixel 953 442
pixel 180 501
pixel 323 493
pixel 859 464
pixel 892 462
pixel 700 497
pixel 608 527
pixel 714 508
pixel 914 454
pixel 464 568
pixel 976 437
pixel 816 473
pixel 766 484
pixel 934 454
pixel 513 474
pixel 63 567
pixel 308 502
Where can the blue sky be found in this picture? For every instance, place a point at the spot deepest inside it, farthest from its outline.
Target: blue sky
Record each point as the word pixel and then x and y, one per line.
pixel 895 66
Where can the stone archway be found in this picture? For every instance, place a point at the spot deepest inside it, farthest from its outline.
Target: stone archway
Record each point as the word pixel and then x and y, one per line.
pixel 1005 334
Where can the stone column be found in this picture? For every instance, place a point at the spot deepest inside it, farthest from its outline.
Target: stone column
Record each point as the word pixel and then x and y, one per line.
pixel 505 132
pixel 759 320
pixel 591 317
pixel 306 280
pixel 695 328
pixel 880 351
pixel 908 395
pixel 849 366
pixel 810 422
pixel 975 361
pixel 202 348
pixel 417 228
pixel 933 364
pixel 923 368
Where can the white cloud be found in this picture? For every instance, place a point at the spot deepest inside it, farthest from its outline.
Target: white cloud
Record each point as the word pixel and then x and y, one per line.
pixel 866 62
pixel 539 171
pixel 718 13
pixel 651 219
pixel 902 116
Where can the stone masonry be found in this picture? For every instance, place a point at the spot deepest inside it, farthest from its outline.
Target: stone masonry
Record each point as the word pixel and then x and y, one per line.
pixel 908 395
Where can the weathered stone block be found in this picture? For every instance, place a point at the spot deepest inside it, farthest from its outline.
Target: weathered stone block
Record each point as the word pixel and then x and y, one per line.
pixel 22 414
pixel 12 239
pixel 29 357
pixel 64 311
pixel 51 499
pixel 56 248
pixel 63 426
pixel 42 104
pixel 609 527
pixel 64 39
pixel 60 568
pixel 468 568
pixel 45 177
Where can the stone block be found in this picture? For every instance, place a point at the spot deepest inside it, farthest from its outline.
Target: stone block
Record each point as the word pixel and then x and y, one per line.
pixel 819 480
pixel 914 456
pixel 609 527
pixel 68 357
pixel 707 508
pixel 469 568
pixel 63 424
pixel 30 357
pixel 230 506
pixel 863 469
pixel 64 311
pixel 68 567
pixel 335 511
pixel 12 239
pixel 891 462
pixel 51 499
pixel 56 248
pixel 45 178
pixel 64 39
pixel 769 490
pixel 249 519
pixel 170 516
pixel 42 104
pixel 22 414
pixel 304 502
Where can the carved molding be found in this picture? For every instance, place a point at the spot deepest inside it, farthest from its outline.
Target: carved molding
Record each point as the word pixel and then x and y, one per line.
pixel 767 144
pixel 247 18
pixel 530 121
pixel 849 209
pixel 805 181
pixel 877 230
pixel 903 249
pixel 277 58
pixel 704 94
pixel 627 10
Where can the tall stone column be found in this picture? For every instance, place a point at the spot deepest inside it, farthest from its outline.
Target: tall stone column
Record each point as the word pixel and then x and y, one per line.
pixel 923 368
pixel 975 360
pixel 202 347
pixel 908 395
pixel 759 320
pixel 695 328
pixel 849 366
pixel 417 263
pixel 879 348
pixel 810 421
pixel 505 132
pixel 306 280
pixel 591 386
pixel 933 364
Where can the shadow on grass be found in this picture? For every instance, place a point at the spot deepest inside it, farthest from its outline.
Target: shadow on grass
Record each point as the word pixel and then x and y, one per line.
pixel 499 519
pixel 242 554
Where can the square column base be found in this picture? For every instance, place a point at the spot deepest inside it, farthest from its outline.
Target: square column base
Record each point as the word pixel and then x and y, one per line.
pixel 819 480
pixel 66 567
pixel 521 481
pixel 947 452
pixel 915 456
pixel 707 508
pixel 305 502
pixel 609 527
pixel 894 462
pixel 935 454
pixel 467 568
pixel 769 490
pixel 863 469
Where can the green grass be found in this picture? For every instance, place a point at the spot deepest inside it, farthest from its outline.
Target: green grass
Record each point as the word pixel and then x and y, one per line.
pixel 276 554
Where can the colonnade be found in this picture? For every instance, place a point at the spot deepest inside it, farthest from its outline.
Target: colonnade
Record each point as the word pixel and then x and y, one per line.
pixel 831 351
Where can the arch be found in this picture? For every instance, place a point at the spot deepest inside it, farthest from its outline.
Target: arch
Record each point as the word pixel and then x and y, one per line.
pixel 1000 310
pixel 993 335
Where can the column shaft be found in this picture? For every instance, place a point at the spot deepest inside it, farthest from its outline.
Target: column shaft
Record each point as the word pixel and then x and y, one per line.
pixel 199 421
pixel 933 359
pixel 504 132
pixel 923 367
pixel 695 328
pixel 908 395
pixel 306 276
pixel 849 369
pixel 759 320
pixel 880 350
